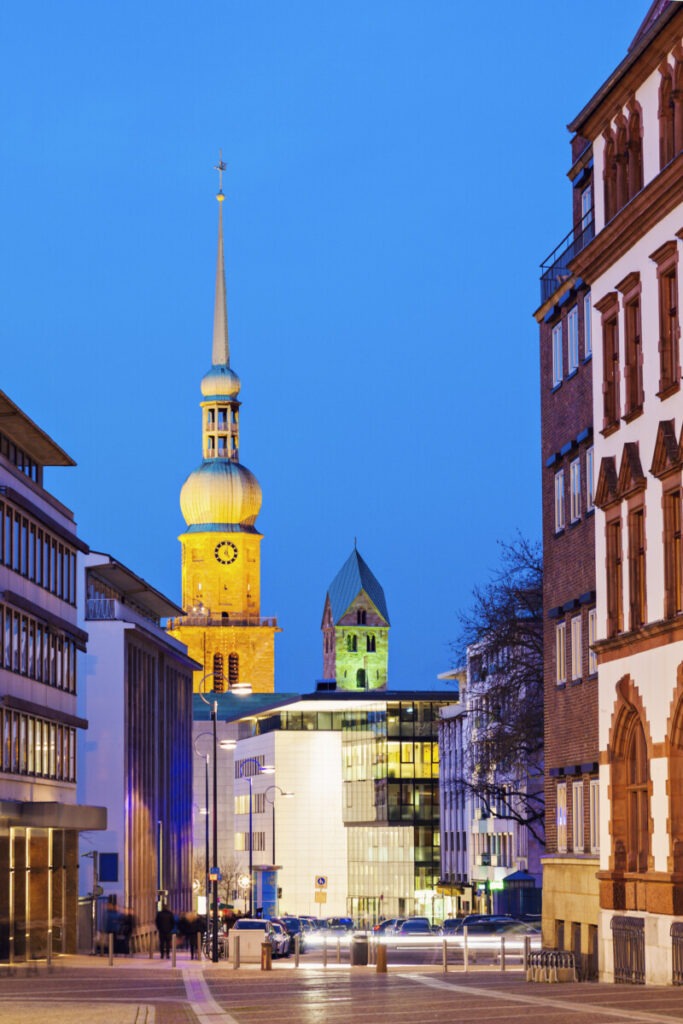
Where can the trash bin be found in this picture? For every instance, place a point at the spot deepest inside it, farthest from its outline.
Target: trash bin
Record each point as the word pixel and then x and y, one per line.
pixel 266 956
pixel 359 951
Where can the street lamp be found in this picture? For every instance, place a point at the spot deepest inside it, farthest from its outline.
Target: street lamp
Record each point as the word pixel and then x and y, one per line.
pixel 271 800
pixel 260 770
pixel 214 895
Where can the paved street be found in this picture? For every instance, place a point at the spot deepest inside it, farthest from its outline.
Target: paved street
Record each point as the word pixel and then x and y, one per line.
pixel 138 991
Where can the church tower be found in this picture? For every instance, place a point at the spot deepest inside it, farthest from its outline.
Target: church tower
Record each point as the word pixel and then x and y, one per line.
pixel 355 629
pixel 221 547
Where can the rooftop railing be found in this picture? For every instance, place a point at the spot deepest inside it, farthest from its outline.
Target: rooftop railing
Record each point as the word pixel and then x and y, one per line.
pixel 555 268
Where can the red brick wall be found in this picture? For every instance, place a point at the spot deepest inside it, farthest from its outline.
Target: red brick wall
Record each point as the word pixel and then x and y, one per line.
pixel 571 711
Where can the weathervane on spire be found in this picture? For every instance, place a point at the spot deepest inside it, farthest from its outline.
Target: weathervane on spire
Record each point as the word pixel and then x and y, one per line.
pixel 220 167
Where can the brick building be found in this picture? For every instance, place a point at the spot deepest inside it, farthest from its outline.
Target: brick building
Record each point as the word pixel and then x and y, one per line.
pixel 570 894
pixel 632 131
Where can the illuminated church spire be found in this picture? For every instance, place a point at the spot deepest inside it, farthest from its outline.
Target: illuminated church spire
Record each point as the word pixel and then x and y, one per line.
pixel 221 340
pixel 220 502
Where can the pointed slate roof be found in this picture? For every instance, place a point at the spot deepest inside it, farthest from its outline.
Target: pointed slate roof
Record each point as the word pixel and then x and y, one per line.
pixel 354 576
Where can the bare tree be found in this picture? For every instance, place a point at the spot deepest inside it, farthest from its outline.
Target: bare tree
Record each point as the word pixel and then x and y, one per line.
pixel 501 642
pixel 230 873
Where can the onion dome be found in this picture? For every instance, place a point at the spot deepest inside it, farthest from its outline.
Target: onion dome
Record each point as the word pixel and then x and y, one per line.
pixel 220 382
pixel 220 493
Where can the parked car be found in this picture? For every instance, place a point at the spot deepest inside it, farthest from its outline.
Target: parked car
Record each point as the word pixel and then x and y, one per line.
pixel 388 926
pixel 339 924
pixel 415 926
pixel 282 939
pixel 295 926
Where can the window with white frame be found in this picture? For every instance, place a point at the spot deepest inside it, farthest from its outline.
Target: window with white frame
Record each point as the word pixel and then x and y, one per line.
pixel 586 206
pixel 577 817
pixel 590 478
pixel 573 339
pixel 558 370
pixel 576 647
pixel 559 501
pixel 575 490
pixel 561 817
pixel 560 652
pixel 587 343
pixel 594 816
pixel 592 637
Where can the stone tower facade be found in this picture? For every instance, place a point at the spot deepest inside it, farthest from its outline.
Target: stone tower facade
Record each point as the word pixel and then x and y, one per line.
pixel 355 629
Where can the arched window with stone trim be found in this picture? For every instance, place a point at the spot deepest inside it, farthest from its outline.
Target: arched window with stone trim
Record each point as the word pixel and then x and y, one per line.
pixel 621 163
pixel 666 117
pixel 233 668
pixel 609 176
pixel 630 783
pixel 637 799
pixel 635 150
pixel 675 777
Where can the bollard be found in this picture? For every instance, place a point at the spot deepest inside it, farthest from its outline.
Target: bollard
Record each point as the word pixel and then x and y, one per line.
pixel 174 939
pixel 372 951
pixel 381 966
pixel 465 951
pixel 297 949
pixel 49 949
pixel 236 952
pixel 338 951
pixel 151 945
pixel 325 952
pixel 445 956
pixel 266 956
pixel 502 952
pixel 110 936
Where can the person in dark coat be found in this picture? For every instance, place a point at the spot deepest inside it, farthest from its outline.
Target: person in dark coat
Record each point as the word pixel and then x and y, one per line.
pixel 165 922
pixel 126 928
pixel 112 921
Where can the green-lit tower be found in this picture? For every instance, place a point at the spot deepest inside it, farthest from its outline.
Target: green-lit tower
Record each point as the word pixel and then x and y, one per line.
pixel 355 629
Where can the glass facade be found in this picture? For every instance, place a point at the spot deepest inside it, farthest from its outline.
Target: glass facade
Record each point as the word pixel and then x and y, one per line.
pixel 390 802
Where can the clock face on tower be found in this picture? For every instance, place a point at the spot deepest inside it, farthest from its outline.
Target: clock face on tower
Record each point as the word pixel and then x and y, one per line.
pixel 225 552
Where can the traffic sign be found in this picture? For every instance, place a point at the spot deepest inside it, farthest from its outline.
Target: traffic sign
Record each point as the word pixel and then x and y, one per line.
pixel 215 875
pixel 320 896
pixel 321 882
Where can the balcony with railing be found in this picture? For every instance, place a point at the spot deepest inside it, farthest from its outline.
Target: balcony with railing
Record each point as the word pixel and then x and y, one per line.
pixel 199 619
pixel 555 268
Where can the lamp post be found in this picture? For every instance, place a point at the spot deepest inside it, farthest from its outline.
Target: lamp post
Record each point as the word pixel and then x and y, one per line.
pixel 271 800
pixel 205 812
pixel 244 689
pixel 260 770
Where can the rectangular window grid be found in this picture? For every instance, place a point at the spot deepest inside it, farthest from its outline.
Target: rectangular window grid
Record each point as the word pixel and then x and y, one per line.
pixel 576 647
pixel 577 817
pixel 575 490
pixel 560 653
pixel 573 339
pixel 558 370
pixel 561 817
pixel 559 501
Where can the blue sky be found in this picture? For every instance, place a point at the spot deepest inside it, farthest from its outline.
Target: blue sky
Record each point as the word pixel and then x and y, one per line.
pixel 396 173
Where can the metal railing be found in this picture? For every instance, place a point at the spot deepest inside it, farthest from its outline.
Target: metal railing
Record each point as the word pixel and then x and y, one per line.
pixel 551 965
pixel 628 941
pixel 555 268
pixel 676 933
pixel 220 620
pixel 100 608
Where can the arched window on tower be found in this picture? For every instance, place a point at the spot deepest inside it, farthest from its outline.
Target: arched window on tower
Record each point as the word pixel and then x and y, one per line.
pixel 637 799
pixel 371 643
pixel 218 677
pixel 360 616
pixel 352 642
pixel 233 668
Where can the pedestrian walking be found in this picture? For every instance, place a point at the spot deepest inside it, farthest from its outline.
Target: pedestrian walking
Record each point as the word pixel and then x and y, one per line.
pixel 165 922
pixel 112 922
pixel 126 928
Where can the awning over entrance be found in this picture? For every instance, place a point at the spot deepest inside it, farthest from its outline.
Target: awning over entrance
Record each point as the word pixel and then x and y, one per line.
pixel 50 814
